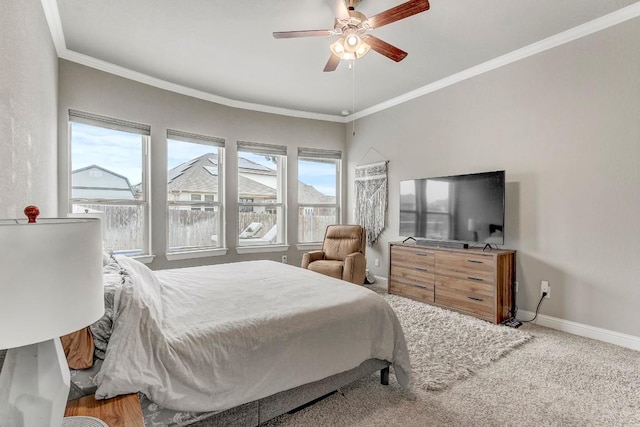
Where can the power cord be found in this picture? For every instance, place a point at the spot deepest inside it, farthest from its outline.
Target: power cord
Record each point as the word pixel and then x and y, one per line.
pixel 544 294
pixel 515 323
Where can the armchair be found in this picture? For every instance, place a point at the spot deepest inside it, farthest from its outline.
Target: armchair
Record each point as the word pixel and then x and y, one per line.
pixel 342 255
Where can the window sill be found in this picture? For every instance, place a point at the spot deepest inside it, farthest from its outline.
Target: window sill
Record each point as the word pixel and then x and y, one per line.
pixel 145 259
pixel 309 246
pixel 259 249
pixel 177 256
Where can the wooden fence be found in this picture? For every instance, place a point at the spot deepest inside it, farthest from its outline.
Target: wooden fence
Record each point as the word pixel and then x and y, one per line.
pixel 192 228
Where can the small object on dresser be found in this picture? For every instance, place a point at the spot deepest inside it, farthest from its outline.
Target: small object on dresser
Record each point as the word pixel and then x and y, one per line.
pixel 82 421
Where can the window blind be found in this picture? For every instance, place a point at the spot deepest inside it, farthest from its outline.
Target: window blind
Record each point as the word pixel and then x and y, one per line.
pixel 179 135
pixel 319 153
pixel 108 122
pixel 259 148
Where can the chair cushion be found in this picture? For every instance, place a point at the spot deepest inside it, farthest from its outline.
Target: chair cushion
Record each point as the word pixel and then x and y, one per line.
pixel 331 268
pixel 342 240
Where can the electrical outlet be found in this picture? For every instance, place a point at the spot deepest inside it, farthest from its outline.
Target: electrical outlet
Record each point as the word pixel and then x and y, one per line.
pixel 377 263
pixel 545 287
pixel 284 259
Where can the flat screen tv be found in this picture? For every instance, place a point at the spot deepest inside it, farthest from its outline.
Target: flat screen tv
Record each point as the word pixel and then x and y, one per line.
pixel 459 208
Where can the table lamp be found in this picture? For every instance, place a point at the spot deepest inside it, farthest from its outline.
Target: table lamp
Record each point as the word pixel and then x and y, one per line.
pixel 50 285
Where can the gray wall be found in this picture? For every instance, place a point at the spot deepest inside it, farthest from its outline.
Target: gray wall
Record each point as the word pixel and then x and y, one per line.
pixel 94 91
pixel 28 111
pixel 565 125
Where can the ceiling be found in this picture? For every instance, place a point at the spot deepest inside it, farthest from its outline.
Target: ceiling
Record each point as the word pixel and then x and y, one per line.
pixel 225 51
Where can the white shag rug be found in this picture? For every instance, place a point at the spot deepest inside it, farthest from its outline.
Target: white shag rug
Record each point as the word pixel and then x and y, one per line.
pixel 446 346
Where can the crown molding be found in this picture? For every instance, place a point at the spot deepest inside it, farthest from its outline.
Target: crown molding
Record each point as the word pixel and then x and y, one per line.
pixel 55 27
pixel 52 15
pixel 591 27
pixel 117 70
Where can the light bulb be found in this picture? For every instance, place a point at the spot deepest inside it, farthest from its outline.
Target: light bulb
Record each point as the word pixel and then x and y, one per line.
pixel 352 40
pixel 339 48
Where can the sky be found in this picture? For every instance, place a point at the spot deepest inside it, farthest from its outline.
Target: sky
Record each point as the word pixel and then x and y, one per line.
pixel 121 152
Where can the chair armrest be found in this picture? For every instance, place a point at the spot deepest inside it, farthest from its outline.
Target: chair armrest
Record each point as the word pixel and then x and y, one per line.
pixel 309 257
pixel 355 268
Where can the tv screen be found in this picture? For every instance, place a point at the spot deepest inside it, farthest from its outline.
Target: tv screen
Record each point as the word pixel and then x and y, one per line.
pixel 468 208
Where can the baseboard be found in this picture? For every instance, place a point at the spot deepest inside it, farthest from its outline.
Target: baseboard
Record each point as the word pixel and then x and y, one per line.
pixel 587 331
pixel 600 334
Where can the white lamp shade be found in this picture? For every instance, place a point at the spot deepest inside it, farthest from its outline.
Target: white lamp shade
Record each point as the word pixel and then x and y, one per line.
pixel 50 279
pixel 471 226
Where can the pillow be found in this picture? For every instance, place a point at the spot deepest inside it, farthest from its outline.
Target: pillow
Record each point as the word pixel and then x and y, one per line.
pixel 145 283
pixel 78 348
pixel 113 278
pixel 120 271
pixel 101 329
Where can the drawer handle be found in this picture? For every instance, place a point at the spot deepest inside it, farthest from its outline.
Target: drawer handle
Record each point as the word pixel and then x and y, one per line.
pixel 420 254
pixel 419 287
pixel 421 269
pixel 475 278
pixel 475 261
pixel 476 298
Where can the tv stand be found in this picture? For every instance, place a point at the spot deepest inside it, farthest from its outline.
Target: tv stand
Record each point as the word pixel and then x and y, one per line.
pixel 442 244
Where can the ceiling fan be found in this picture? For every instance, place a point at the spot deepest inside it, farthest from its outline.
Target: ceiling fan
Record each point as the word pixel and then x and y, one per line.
pixel 353 28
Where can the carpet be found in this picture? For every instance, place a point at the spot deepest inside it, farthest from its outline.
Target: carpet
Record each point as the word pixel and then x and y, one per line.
pixel 446 346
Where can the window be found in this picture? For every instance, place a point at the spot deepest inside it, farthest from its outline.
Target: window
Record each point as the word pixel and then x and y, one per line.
pixel 261 194
pixel 194 191
pixel 109 178
pixel 318 192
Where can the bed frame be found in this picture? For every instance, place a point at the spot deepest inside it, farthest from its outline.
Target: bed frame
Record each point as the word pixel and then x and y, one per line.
pixel 262 410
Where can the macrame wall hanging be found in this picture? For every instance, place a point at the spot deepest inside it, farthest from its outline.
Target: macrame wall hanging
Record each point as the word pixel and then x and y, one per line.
pixel 371 195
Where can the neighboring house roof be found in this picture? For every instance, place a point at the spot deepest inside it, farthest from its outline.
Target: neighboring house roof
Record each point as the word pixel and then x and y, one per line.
pixel 96 182
pixel 309 194
pixel 199 175
pixel 247 187
pixel 249 166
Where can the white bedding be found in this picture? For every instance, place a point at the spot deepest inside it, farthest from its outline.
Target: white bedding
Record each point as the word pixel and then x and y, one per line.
pixel 214 337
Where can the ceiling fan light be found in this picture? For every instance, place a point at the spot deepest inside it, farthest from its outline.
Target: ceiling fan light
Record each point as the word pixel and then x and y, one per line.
pixel 362 50
pixel 353 40
pixel 337 48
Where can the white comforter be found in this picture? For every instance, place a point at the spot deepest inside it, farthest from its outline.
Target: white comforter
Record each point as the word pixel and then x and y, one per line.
pixel 214 337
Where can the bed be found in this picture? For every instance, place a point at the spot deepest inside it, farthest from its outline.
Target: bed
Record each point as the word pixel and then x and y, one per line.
pixel 236 343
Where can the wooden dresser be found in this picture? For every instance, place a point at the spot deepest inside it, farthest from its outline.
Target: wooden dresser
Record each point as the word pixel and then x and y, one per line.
pixel 470 281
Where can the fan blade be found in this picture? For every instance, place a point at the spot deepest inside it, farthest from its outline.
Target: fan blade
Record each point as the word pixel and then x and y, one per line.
pixel 384 48
pixel 332 63
pixel 339 9
pixel 397 13
pixel 304 33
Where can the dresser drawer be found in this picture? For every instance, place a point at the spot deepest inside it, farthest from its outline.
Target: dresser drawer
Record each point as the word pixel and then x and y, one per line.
pixel 468 296
pixel 413 274
pixel 474 267
pixel 418 291
pixel 408 257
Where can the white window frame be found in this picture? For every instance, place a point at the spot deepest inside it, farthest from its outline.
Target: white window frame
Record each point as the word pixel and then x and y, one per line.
pixel 318 154
pixel 202 203
pixel 267 150
pixel 144 202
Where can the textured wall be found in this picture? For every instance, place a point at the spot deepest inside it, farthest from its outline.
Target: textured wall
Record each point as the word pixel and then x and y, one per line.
pixel 565 125
pixel 28 110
